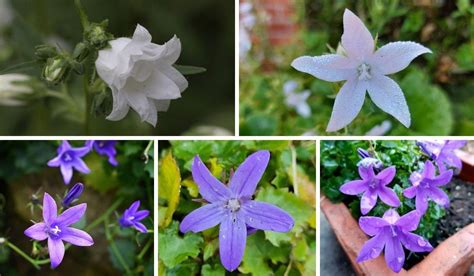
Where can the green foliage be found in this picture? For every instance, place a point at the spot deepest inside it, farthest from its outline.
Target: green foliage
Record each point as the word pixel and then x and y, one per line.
pixel 266 252
pixel 437 86
pixel 339 165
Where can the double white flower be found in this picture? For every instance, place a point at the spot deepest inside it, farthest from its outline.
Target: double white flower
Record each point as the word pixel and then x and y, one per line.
pixel 141 75
pixel 363 69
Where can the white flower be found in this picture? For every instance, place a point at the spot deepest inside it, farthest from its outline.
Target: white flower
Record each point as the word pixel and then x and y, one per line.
pixel 246 23
pixel 6 14
pixel 381 129
pixel 141 75
pixel 12 89
pixel 297 100
pixel 363 69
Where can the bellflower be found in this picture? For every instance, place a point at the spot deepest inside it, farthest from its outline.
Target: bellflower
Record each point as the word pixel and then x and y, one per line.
pixel 132 217
pixel 233 208
pixel 297 100
pixel 73 194
pixel 363 69
pixel 246 22
pixel 425 186
pixel 391 232
pixel 69 158
pixel 372 186
pixel 14 88
pixel 56 229
pixel 380 130
pixel 106 148
pixel 442 153
pixel 368 160
pixel 141 75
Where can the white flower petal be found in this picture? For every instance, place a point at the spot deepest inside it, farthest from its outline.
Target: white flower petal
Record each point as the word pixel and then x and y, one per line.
pixel 141 35
pixel 356 39
pixel 175 76
pixel 326 67
pixel 303 110
pixel 348 103
pixel 396 56
pixel 152 115
pixel 120 106
pixel 137 100
pixel 160 87
pixel 162 105
pixel 172 50
pixel 388 96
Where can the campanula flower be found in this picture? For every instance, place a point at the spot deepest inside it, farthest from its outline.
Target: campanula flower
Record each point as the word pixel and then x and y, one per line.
pixel 297 100
pixel 372 186
pixel 14 89
pixel 141 75
pixel 132 217
pixel 363 69
pixel 69 158
pixel 392 232
pixel 233 208
pixel 442 153
pixel 73 194
pixel 368 160
pixel 56 229
pixel 425 186
pixel 106 148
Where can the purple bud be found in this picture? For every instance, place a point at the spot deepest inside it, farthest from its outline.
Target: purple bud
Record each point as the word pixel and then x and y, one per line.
pixel 73 194
pixel 363 153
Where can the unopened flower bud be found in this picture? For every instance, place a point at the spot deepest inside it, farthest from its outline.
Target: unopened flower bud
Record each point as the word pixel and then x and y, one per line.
pixel 44 52
pixel 73 194
pixel 2 240
pixel 97 35
pixel 56 69
pixel 14 89
pixel 80 52
pixel 363 153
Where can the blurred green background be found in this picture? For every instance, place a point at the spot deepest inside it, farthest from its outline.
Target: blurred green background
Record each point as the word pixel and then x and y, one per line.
pixel 288 182
pixel 206 31
pixel 438 87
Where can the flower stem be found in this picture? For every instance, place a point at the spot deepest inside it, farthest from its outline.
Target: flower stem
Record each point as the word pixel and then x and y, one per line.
pixel 23 254
pixel 145 249
pixel 147 149
pixel 87 103
pixel 82 14
pixel 114 248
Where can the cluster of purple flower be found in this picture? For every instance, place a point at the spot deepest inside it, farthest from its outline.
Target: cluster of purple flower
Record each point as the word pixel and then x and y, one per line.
pixel 57 228
pixel 392 231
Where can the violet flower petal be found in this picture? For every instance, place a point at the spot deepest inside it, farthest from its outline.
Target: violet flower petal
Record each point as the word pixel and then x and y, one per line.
pixel 326 67
pixel 203 218
pixel 388 96
pixel 429 171
pixel 421 201
pixel 265 216
pixel 372 225
pixel 394 254
pixel 66 171
pixel 232 240
pixel 134 207
pixel 415 243
pixel 141 214
pixel 372 248
pixel 55 162
pixel 80 152
pixel 366 173
pixel 387 175
pixel 248 174
pixel 356 38
pixel 140 227
pixel 56 251
pixel 439 196
pixel 442 179
pixel 80 166
pixel 50 210
pixel 37 231
pixel 72 215
pixel 368 201
pixel 410 192
pixel 455 144
pixel 76 237
pixel 251 230
pixel 388 196
pixel 396 56
pixel 210 188
pixel 409 221
pixel 354 187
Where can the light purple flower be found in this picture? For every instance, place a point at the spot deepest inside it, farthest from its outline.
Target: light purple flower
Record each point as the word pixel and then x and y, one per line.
pixel 69 158
pixel 132 217
pixel 372 186
pixel 56 229
pixel 105 148
pixel 363 69
pixel 442 153
pixel 233 208
pixel 73 194
pixel 425 186
pixel 391 232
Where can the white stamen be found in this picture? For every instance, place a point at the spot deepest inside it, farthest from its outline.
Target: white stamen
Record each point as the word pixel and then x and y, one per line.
pixel 55 230
pixel 233 205
pixel 364 71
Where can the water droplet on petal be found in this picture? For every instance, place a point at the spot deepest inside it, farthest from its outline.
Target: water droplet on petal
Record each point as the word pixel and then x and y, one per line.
pixel 421 242
pixel 400 259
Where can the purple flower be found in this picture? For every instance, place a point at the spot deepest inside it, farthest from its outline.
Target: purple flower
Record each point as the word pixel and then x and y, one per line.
pixel 106 148
pixel 56 229
pixel 425 186
pixel 442 153
pixel 372 186
pixel 363 153
pixel 369 160
pixel 392 231
pixel 69 158
pixel 73 194
pixel 233 208
pixel 132 217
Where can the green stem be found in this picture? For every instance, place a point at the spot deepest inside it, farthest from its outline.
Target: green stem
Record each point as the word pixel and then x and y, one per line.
pixel 147 149
pixel 145 249
pixel 23 254
pixel 87 103
pixel 114 248
pixel 82 14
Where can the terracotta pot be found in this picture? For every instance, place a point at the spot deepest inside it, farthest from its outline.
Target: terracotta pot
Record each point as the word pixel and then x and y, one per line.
pixel 454 256
pixel 281 26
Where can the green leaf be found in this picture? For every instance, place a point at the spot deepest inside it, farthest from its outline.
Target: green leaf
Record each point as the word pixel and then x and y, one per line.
pixel 210 248
pixel 173 249
pixel 127 249
pixel 190 70
pixel 208 270
pixel 169 183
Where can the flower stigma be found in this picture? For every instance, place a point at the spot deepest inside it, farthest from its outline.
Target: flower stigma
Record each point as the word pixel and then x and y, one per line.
pixel 364 72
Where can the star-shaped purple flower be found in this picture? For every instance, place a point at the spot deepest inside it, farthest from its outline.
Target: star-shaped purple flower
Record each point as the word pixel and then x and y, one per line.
pixel 363 69
pixel 391 232
pixel 57 229
pixel 105 148
pixel 233 208
pixel 132 217
pixel 425 186
pixel 442 153
pixel 69 158
pixel 372 186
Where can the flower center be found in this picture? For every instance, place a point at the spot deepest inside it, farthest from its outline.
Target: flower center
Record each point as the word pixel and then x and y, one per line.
pixel 373 183
pixel 364 72
pixel 131 218
pixel 54 231
pixel 233 205
pixel 67 157
pixel 101 144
